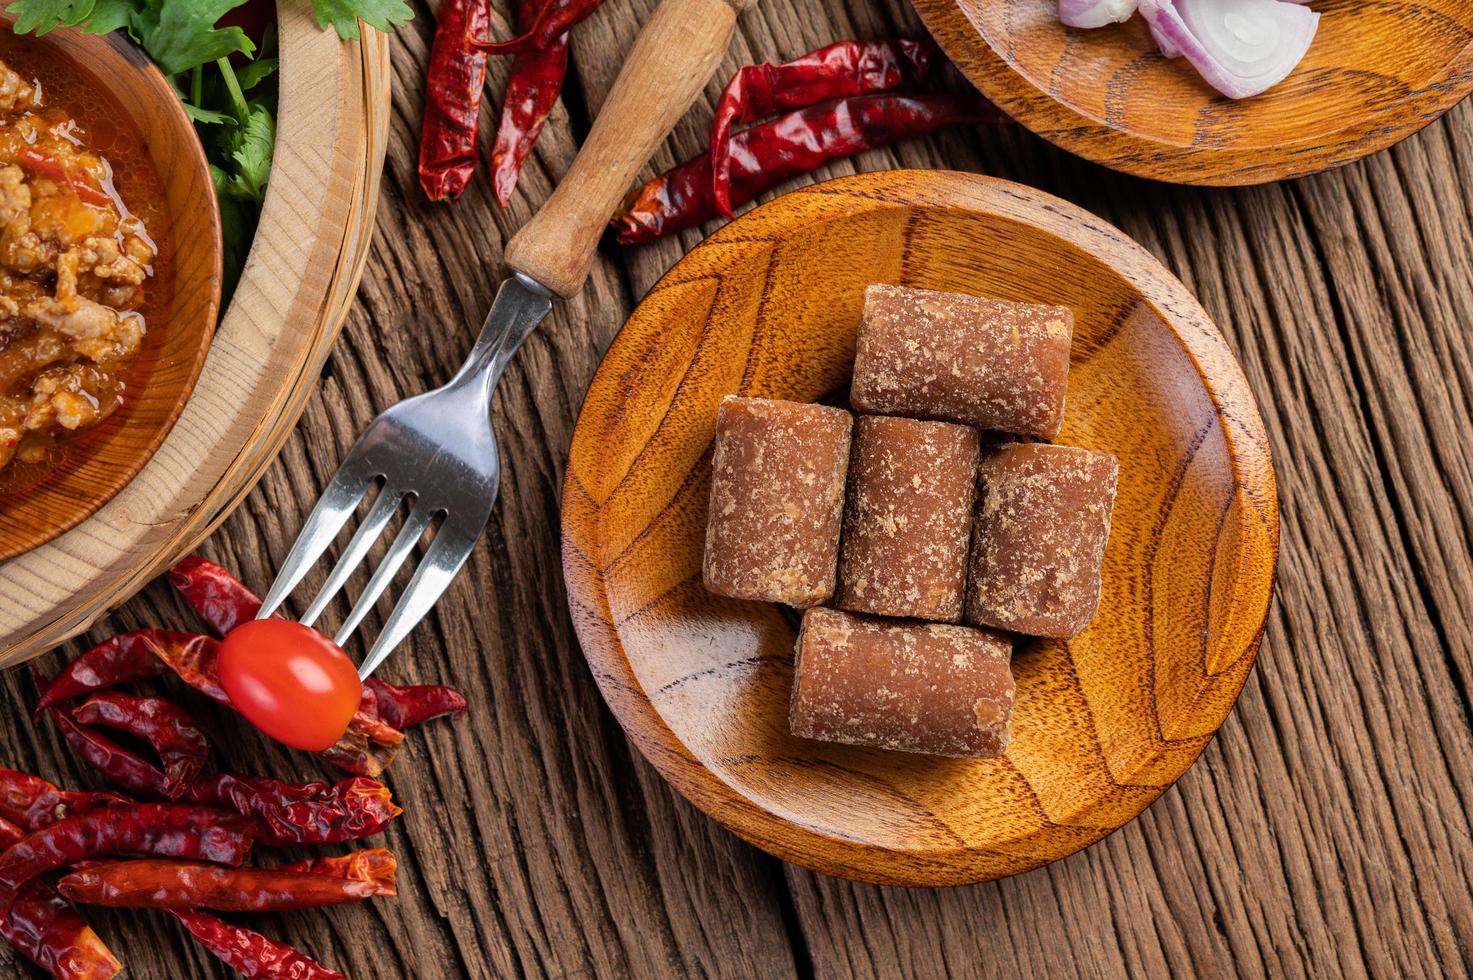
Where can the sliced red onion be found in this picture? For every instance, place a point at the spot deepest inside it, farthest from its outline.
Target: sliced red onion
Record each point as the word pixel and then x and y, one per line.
pixel 1163 42
pixel 1095 13
pixel 1240 47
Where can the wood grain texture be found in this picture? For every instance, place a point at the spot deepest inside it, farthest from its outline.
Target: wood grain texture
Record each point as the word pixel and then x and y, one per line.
pixel 287 308
pixel 768 307
pixel 1375 74
pixel 182 304
pixel 667 66
pixel 1326 831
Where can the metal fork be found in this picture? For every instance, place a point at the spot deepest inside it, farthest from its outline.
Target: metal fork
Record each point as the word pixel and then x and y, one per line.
pixel 438 450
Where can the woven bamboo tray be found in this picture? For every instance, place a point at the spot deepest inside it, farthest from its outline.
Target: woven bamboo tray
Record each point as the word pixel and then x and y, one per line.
pixel 267 353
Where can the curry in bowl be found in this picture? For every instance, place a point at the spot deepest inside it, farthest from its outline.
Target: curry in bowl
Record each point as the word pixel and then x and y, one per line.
pixel 77 258
pixel 109 275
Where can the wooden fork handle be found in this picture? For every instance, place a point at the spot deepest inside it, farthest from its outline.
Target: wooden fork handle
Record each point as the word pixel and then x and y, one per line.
pixel 670 62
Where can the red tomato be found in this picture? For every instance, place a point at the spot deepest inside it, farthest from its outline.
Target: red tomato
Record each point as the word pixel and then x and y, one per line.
pixel 290 681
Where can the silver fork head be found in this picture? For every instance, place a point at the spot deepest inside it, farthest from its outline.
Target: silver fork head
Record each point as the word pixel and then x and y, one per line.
pixel 438 453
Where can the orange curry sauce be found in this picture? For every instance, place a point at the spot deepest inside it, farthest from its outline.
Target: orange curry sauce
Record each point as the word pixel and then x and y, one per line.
pixel 77 263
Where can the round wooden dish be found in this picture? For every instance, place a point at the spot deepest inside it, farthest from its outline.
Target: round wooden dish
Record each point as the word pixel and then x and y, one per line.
pixel 768 306
pixel 183 302
pixel 1375 74
pixel 266 356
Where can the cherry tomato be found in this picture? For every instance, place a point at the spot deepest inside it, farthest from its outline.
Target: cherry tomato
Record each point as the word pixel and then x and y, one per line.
pixel 290 681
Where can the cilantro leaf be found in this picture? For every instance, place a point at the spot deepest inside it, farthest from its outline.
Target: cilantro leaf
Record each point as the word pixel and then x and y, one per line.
pixel 41 16
pixel 255 72
pixel 111 15
pixel 248 147
pixel 181 34
pixel 343 15
pixel 208 116
pixel 237 228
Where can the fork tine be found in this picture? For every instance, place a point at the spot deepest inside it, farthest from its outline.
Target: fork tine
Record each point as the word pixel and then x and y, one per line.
pixel 413 529
pixel 378 515
pixel 338 502
pixel 446 554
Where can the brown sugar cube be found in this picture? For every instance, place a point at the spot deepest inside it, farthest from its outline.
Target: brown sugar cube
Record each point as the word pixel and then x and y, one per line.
pixel 777 499
pixel 981 362
pixel 1043 517
pixel 913 687
pixel 908 519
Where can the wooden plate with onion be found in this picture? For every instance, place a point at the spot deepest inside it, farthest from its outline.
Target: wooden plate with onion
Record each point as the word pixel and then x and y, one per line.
pixel 1104 723
pixel 264 360
pixel 1374 74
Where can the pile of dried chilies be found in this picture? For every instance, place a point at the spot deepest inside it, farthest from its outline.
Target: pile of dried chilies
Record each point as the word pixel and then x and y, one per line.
pixel 196 829
pixel 829 104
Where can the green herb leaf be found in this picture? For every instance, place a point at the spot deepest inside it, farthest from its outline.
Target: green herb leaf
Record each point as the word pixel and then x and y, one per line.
pixel 40 16
pixel 181 34
pixel 112 15
pixel 248 148
pixel 208 116
pixel 237 228
pixel 343 15
pixel 255 72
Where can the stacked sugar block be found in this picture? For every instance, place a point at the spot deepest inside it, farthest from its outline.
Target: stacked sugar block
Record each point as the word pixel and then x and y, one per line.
pixel 929 543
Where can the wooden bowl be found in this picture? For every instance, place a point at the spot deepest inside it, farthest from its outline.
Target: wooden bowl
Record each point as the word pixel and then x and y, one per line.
pixel 1375 74
pixel 267 355
pixel 140 109
pixel 1105 722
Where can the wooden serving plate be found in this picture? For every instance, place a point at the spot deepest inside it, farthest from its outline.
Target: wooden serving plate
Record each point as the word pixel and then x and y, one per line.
pixel 267 352
pixel 768 306
pixel 1375 74
pixel 183 298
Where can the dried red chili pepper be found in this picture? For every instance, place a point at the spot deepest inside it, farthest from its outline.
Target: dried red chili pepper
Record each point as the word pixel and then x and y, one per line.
pixel 164 829
pixel 43 927
pixel 453 85
pixel 556 18
pixel 118 765
pixel 840 70
pixel 250 953
pixel 217 596
pixel 193 662
pixel 189 884
pixel 366 748
pixel 310 813
pixel 126 657
pixel 771 152
pixel 532 89
pixel 34 803
pixel 403 707
pixel 172 731
pixel 369 864
pixel 281 813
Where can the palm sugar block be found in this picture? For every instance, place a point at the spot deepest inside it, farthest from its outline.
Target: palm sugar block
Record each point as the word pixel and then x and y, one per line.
pixel 981 362
pixel 908 518
pixel 777 500
pixel 1038 541
pixel 931 688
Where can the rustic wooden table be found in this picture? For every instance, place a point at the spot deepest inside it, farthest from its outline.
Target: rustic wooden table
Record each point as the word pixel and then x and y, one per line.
pixel 1325 831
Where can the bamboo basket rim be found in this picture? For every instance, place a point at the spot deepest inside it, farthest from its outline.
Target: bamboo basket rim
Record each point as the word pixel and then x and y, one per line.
pixel 297 288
